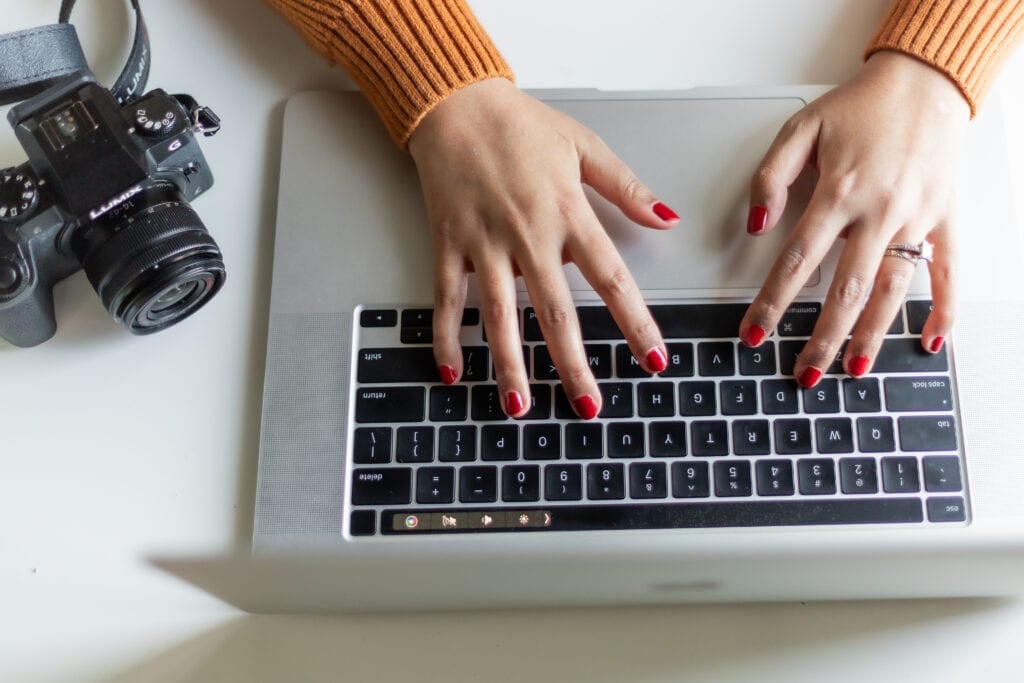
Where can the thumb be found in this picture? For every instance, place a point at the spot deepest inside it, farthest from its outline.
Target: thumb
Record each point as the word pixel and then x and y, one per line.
pixel 789 153
pixel 612 178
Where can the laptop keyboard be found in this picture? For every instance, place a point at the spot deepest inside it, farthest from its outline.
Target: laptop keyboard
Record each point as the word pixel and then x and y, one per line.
pixel 724 437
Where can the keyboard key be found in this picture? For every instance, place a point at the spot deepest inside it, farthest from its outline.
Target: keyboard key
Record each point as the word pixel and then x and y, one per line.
pixel 616 399
pixel 823 397
pixel 563 482
pixel 648 480
pixel 947 509
pixel 499 442
pixel 941 473
pixel 372 446
pixel 599 360
pixel 759 361
pixel 862 395
pixel 904 354
pixel 917 315
pixel 626 364
pixel 435 485
pixel 584 440
pixel 799 319
pixel 751 437
pixel 656 399
pixel 817 476
pixel 732 478
pixel 691 480
pixel 774 477
pixel 543 366
pixel 792 437
pixel 697 399
pixel 690 321
pixel 875 435
pixel 918 394
pixel 680 360
pixel 475 361
pixel 362 523
pixel 417 335
pixel 540 402
pixel 668 439
pixel 709 437
pixel 606 482
pixel 716 359
pixel 486 404
pixel 596 323
pixel 418 317
pixel 779 396
pixel 927 433
pixel 626 440
pixel 834 434
pixel 899 475
pixel 858 475
pixel 789 349
pixel 542 442
pixel 470 317
pixel 390 404
pixel 381 486
pixel 456 444
pixel 449 404
pixel 415 444
pixel 478 484
pixel 531 326
pixel 378 317
pixel 520 483
pixel 739 397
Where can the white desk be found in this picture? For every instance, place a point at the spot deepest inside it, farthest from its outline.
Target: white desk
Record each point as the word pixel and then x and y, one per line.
pixel 113 447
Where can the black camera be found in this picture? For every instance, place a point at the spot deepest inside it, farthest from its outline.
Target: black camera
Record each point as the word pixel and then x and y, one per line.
pixel 107 189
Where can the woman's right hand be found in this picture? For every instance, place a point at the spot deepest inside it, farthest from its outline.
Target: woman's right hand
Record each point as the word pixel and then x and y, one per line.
pixel 502 176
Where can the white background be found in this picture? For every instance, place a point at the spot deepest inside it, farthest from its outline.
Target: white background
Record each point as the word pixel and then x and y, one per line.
pixel 114 447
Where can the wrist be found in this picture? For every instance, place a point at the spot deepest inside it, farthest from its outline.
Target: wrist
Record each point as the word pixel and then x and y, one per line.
pixel 468 106
pixel 918 82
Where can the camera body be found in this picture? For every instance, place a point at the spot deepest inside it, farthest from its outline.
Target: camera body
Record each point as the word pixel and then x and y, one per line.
pixel 106 188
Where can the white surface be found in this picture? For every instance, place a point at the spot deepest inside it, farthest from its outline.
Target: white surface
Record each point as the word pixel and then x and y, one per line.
pixel 113 447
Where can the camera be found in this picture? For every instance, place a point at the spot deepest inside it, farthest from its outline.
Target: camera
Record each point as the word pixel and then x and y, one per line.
pixel 106 189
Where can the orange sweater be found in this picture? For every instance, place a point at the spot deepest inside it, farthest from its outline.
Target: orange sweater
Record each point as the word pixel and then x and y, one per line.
pixel 408 55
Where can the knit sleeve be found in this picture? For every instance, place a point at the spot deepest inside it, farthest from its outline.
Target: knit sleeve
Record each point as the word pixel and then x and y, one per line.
pixel 405 55
pixel 965 39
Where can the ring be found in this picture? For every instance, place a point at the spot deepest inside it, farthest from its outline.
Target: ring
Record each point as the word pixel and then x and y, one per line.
pixel 922 251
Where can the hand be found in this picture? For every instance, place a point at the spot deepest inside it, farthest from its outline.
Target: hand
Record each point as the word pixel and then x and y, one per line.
pixel 884 146
pixel 501 175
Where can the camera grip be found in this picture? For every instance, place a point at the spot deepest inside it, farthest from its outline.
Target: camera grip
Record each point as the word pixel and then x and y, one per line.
pixel 28 318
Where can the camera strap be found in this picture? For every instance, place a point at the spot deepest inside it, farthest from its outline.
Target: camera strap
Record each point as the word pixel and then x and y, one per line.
pixel 33 60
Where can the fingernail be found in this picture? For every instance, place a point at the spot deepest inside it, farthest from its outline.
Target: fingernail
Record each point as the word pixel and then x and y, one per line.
pixel 809 377
pixel 656 360
pixel 859 365
pixel 448 374
pixel 753 335
pixel 937 344
pixel 586 407
pixel 513 403
pixel 663 212
pixel 757 219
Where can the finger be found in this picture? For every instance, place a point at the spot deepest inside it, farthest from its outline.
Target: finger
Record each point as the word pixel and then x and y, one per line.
pixel 803 250
pixel 887 294
pixel 501 324
pixel 844 302
pixel 596 257
pixel 612 178
pixel 449 302
pixel 789 153
pixel 556 313
pixel 941 272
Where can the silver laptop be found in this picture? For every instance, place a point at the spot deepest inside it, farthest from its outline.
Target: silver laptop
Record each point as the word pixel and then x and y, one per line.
pixel 720 480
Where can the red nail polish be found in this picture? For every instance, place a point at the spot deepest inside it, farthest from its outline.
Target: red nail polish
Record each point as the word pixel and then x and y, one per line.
pixel 757 219
pixel 513 403
pixel 809 377
pixel 656 360
pixel 664 213
pixel 586 407
pixel 937 344
pixel 859 365
pixel 448 375
pixel 753 335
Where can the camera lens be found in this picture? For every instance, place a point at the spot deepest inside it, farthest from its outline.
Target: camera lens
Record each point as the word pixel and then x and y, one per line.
pixel 151 260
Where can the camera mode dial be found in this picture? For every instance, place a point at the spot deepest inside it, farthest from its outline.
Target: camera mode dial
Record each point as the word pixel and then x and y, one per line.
pixel 18 195
pixel 156 119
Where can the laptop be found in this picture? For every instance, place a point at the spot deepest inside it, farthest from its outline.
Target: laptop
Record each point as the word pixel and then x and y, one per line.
pixel 380 488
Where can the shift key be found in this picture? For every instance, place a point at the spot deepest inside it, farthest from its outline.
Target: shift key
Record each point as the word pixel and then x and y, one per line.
pixel 390 404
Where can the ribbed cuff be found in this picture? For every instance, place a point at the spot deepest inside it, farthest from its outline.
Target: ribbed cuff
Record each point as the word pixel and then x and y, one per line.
pixel 965 39
pixel 405 55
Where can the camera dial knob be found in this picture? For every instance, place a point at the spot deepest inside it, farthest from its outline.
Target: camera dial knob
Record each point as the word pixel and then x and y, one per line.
pixel 153 120
pixel 18 195
pixel 9 277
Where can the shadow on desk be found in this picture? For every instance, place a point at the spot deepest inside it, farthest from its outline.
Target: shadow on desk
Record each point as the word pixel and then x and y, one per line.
pixel 817 641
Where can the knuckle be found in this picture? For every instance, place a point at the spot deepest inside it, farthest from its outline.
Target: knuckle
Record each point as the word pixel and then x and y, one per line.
pixel 792 261
pixel 617 282
pixel 849 292
pixel 838 189
pixel 575 374
pixel 646 330
pixel 765 178
pixel 892 283
pixel 632 188
pixel 555 315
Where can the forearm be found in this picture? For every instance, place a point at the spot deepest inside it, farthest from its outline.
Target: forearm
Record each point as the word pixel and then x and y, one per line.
pixel 965 39
pixel 405 55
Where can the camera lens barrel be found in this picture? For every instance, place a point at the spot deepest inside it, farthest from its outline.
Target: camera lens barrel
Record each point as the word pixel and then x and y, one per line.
pixel 152 261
